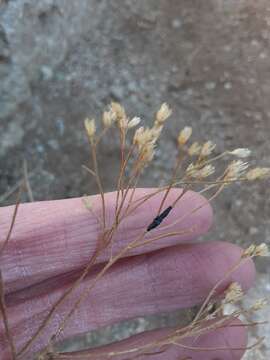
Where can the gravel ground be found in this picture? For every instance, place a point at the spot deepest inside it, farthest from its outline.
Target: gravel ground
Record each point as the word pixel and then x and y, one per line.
pixel 61 60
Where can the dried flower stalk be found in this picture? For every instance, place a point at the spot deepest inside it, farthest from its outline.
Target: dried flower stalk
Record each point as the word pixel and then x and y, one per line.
pixel 138 156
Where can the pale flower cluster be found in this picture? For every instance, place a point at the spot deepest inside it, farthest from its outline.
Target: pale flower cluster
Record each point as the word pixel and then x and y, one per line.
pixel 108 118
pixel 241 152
pixel 259 304
pixel 194 149
pixel 258 173
pixel 235 170
pixel 207 149
pixel 233 294
pixel 145 138
pixel 184 135
pixel 196 172
pixel 256 250
pixel 162 115
pixel 90 127
pixel 120 115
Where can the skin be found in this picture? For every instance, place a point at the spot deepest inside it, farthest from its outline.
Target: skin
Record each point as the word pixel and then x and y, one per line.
pixel 53 240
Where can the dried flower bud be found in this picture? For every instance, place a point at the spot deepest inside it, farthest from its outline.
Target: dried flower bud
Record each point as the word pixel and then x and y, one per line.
pixel 118 110
pixel 134 122
pixel 207 149
pixel 253 250
pixel 258 173
pixel 90 126
pixel 108 118
pixel 120 113
pixel 259 304
pixel 184 135
pixel 234 293
pixel 241 152
pixel 194 149
pixel 199 173
pixel 138 135
pixel 262 250
pixel 147 154
pixel 235 169
pixel 249 252
pixel 162 115
pixel 143 137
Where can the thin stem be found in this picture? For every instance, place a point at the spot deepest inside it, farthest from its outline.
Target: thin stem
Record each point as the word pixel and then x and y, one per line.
pixel 175 233
pixel 89 170
pixel 129 154
pixel 176 168
pixel 84 201
pixel 122 160
pixel 3 311
pixel 94 158
pixel 26 181
pixel 197 348
pixel 58 302
pixel 97 278
pixel 99 137
pixel 195 209
pixel 14 215
pixel 212 292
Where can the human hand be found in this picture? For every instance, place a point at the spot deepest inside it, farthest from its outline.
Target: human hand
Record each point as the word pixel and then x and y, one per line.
pixel 51 243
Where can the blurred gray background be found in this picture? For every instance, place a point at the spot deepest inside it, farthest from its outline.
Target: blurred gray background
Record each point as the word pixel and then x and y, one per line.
pixel 63 60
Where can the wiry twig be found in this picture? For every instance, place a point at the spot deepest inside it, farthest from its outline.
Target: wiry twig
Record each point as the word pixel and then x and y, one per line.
pixel 3 311
pixel 98 181
pixel 26 181
pixel 2 248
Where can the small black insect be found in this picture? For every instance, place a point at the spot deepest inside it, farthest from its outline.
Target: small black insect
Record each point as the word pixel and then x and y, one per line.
pixel 158 220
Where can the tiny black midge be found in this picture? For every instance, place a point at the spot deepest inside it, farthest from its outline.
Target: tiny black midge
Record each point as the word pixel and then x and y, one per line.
pixel 158 220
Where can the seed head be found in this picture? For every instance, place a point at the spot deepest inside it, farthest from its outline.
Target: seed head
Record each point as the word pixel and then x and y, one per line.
pixel 234 293
pixel 194 149
pixel 147 154
pixel 134 122
pixel 258 173
pixel 184 135
pixel 241 152
pixel 262 250
pixel 163 114
pixel 259 304
pixel 120 114
pixel 138 135
pixel 199 173
pixel 143 137
pixel 108 118
pixel 90 126
pixel 235 169
pixel 207 149
pixel 253 250
pixel 118 109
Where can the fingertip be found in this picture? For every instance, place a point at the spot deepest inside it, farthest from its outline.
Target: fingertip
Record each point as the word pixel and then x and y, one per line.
pixel 205 211
pixel 245 274
pixel 192 211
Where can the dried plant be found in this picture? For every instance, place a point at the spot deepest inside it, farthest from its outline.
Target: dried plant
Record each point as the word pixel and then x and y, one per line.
pixel 194 167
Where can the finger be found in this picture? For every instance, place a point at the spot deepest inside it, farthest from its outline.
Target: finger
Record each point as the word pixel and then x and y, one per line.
pixel 225 343
pixel 168 279
pixel 51 238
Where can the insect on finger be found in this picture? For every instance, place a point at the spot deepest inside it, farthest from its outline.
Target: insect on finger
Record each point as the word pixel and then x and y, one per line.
pixel 158 220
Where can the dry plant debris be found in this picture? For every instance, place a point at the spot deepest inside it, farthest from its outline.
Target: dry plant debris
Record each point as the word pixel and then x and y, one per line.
pixel 195 166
